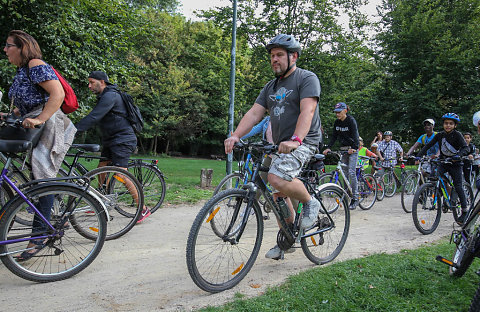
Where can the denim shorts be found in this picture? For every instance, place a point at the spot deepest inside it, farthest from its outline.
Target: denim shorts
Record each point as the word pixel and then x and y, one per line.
pixel 288 166
pixel 119 154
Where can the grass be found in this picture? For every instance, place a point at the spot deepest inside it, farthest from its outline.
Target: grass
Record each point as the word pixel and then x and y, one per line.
pixel 408 281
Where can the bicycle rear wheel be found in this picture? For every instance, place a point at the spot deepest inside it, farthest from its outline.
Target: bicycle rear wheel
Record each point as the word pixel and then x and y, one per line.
pixel 322 243
pixel 426 208
pixel 219 262
pixel 153 183
pixel 122 194
pixel 233 180
pixel 367 191
pixel 475 305
pixel 408 191
pixel 67 252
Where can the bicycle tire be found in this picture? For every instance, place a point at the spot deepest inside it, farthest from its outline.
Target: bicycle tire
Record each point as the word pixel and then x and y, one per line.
pixel 66 253
pixel 380 189
pixel 327 178
pixel 426 208
pixel 124 205
pixel 457 207
pixel 324 247
pixel 208 266
pixel 390 184
pixel 408 191
pixel 367 192
pixel 153 183
pixel 475 304
pixel 233 180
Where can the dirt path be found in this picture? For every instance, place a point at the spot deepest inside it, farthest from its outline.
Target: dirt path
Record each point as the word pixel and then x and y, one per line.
pixel 146 270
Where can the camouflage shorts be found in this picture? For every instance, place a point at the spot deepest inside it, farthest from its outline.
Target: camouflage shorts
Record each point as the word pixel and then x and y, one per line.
pixel 288 166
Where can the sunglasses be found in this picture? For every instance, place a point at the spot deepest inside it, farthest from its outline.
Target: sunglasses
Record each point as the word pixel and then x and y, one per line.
pixel 9 45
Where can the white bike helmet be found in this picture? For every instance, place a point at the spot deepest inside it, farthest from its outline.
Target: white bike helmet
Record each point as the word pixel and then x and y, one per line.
pixel 476 118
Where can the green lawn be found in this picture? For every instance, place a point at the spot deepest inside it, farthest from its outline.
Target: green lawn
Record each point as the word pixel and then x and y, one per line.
pixel 408 281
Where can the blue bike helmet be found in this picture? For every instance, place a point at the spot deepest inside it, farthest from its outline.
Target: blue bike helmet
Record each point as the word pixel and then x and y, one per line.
pixel 451 116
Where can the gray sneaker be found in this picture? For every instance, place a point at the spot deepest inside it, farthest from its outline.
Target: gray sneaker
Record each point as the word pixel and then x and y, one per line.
pixel 276 253
pixel 310 213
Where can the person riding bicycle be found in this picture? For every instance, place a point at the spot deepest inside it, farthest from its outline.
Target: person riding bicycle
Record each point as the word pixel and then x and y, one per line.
pixel 452 145
pixel 37 96
pixel 468 163
pixel 433 152
pixel 363 151
pixel 118 137
pixel 292 101
pixel 387 149
pixel 346 130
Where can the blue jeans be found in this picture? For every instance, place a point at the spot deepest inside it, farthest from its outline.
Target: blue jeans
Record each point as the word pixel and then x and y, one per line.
pixel 45 204
pixel 351 161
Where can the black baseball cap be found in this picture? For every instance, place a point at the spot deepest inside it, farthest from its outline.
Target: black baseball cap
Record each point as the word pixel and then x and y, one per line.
pixel 99 75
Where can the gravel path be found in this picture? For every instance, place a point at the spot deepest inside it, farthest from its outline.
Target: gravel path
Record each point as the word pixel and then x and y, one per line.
pixel 146 270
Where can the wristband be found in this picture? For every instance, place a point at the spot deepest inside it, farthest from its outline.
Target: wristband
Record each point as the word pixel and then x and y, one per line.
pixel 296 138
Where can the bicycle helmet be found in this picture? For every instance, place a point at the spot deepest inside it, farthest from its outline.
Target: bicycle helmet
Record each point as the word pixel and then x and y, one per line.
pixel 476 118
pixel 388 133
pixel 286 42
pixel 451 116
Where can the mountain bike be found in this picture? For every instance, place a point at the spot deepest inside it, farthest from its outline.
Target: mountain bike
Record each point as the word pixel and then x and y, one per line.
pixel 390 178
pixel 427 203
pixel 64 244
pixel 146 171
pixel 219 260
pixel 367 185
pixel 380 183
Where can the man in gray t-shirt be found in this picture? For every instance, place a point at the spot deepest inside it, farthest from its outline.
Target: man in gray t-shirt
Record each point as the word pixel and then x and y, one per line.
pixel 292 102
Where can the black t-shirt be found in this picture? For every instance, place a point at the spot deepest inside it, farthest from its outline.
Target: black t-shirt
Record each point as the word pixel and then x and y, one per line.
pixel 346 131
pixel 451 144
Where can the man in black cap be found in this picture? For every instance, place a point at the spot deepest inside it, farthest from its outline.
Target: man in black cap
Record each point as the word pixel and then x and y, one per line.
pixel 118 138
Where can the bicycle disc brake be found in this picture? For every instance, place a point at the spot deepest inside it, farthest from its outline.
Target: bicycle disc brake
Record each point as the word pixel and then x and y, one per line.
pixel 283 241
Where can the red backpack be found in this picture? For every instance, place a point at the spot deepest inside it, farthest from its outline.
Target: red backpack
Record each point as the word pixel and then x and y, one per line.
pixel 70 103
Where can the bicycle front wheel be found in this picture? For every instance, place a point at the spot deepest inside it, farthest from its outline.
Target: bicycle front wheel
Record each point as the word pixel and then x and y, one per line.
pixel 408 191
pixel 219 262
pixel 367 191
pixel 426 208
pixel 65 252
pixel 153 184
pixel 323 243
pixel 390 184
pixel 122 194
pixel 462 257
pixel 380 188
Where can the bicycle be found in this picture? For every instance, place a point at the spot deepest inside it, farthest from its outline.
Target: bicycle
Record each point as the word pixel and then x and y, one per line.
pixel 391 179
pixel 411 184
pixel 146 171
pixel 427 203
pixel 367 185
pixel 467 241
pixel 219 262
pixel 380 183
pixel 64 245
pixel 118 189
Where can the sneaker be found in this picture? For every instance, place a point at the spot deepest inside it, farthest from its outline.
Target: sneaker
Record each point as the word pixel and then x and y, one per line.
pixel 310 213
pixel 276 253
pixel 353 205
pixel 145 214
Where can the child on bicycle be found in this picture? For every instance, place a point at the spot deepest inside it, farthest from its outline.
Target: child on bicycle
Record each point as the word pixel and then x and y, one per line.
pixel 346 130
pixel 452 145
pixel 468 163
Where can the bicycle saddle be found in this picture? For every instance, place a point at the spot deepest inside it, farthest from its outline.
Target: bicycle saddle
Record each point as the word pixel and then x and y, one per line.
pixel 87 147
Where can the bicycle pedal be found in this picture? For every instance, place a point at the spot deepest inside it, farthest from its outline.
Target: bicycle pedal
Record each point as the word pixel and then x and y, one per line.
pixel 446 261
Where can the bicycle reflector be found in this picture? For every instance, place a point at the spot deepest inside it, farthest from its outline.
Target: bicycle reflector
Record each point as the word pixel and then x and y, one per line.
pixel 402 165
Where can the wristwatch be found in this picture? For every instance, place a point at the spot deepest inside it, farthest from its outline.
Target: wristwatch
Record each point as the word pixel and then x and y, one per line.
pixel 296 138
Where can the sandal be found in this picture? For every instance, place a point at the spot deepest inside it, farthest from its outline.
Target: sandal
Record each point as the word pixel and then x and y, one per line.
pixel 27 255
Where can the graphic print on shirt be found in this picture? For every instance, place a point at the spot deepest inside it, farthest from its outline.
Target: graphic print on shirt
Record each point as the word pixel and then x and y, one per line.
pixel 280 97
pixel 448 149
